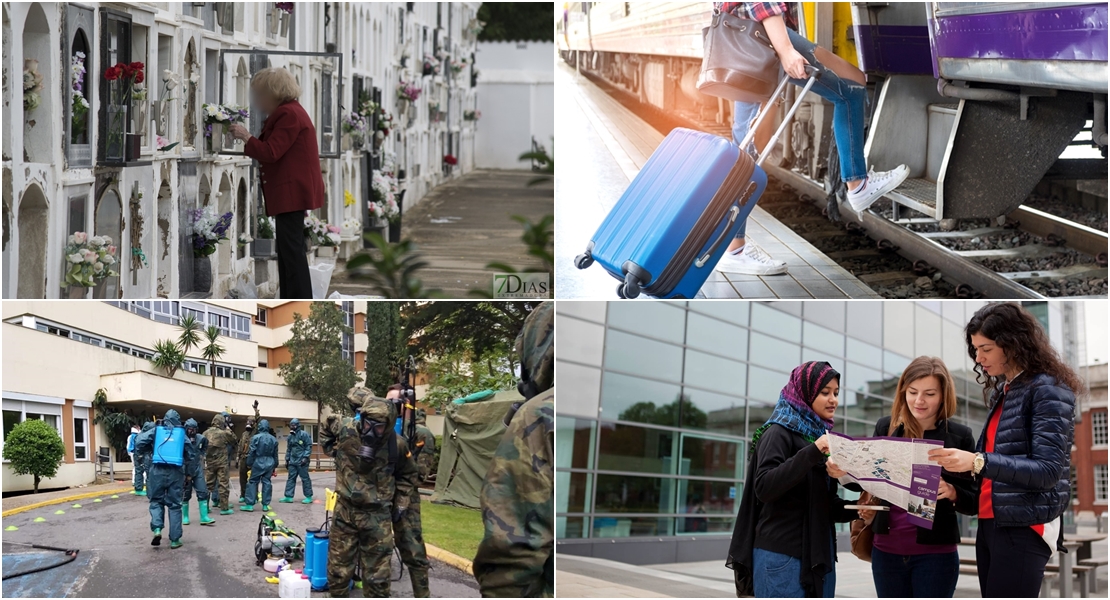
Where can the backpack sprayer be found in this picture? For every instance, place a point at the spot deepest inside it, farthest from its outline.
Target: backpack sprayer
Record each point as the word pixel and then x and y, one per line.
pixel 408 406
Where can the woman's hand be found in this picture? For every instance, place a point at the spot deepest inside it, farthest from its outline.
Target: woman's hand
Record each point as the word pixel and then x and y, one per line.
pixel 834 471
pixel 239 132
pixel 867 515
pixel 946 492
pixel 793 63
pixel 953 460
pixel 822 443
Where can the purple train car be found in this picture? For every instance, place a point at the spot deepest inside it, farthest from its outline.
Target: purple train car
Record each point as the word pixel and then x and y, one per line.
pixel 980 99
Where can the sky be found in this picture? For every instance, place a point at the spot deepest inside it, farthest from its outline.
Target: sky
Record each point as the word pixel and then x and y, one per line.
pixel 1095 316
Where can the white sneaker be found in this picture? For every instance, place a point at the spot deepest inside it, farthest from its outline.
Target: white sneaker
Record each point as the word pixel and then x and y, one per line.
pixel 750 260
pixel 874 187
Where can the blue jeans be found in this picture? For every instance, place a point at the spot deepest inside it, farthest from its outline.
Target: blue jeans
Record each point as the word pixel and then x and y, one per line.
pixel 915 576
pixel 743 114
pixel 849 100
pixel 777 575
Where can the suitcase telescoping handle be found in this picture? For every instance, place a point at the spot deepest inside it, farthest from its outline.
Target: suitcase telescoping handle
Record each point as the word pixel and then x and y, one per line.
pixel 814 74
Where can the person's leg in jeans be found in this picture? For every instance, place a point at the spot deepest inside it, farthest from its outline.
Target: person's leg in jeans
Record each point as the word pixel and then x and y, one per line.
pixel 776 575
pixel 293 276
pixel 741 257
pixel 891 574
pixel 934 575
pixel 842 84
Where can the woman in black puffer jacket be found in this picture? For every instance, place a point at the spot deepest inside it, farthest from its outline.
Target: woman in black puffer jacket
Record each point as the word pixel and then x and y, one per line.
pixel 1022 461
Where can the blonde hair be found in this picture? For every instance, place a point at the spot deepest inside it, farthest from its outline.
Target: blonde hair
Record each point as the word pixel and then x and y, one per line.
pixel 920 367
pixel 278 83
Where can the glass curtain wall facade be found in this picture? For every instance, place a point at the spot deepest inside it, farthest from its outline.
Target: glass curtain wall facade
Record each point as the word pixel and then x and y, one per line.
pixel 657 400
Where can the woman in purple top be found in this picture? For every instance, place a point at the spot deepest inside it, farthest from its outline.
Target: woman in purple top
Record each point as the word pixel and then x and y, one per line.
pixel 908 561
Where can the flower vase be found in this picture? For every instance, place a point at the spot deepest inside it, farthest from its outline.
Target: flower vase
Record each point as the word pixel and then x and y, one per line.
pixel 134 146
pixel 76 292
pixel 161 116
pixel 326 251
pixel 358 140
pixel 114 144
pixel 395 230
pixel 140 118
pixel 265 249
pixel 202 274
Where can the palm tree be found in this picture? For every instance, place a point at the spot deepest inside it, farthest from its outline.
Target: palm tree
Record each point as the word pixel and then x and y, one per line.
pixel 212 350
pixel 167 356
pixel 191 330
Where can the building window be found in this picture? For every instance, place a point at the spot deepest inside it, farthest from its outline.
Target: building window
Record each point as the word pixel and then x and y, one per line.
pixel 260 318
pixel 1100 484
pixel 18 411
pixel 240 327
pixel 80 433
pixel 1074 484
pixel 166 311
pixel 1098 428
pixel 141 308
pixel 221 322
pixel 348 340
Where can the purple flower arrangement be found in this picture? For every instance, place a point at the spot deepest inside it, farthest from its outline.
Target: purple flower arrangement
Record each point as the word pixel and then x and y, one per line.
pixel 208 230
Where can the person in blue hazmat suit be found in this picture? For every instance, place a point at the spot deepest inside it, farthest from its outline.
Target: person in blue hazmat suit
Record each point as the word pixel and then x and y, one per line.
pixel 263 459
pixel 298 448
pixel 194 475
pixel 166 478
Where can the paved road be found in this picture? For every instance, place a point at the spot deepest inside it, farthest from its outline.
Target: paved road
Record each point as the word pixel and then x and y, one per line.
pixel 117 560
pixel 465 224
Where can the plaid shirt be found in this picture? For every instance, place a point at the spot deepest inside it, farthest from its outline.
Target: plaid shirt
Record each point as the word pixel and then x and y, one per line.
pixel 757 11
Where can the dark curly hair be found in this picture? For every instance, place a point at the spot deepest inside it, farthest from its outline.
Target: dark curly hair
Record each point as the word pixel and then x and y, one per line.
pixel 1021 337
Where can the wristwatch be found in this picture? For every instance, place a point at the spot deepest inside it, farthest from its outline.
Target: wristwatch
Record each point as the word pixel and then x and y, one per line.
pixel 979 463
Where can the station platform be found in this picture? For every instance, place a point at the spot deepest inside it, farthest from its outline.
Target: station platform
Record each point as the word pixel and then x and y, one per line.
pixel 602 145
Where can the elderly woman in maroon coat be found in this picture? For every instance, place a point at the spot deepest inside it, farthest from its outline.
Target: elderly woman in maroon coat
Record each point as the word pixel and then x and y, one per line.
pixel 289 165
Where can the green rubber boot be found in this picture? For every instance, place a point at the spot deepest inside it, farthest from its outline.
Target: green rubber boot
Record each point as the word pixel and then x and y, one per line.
pixel 175 544
pixel 242 500
pixel 228 511
pixel 307 500
pixel 185 513
pixel 204 518
pixel 157 540
pixel 247 508
pixel 142 493
pixel 266 507
pixel 286 500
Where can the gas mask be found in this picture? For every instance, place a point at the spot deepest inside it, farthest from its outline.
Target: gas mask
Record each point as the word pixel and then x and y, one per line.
pixel 191 432
pixel 371 433
pixel 509 414
pixel 227 422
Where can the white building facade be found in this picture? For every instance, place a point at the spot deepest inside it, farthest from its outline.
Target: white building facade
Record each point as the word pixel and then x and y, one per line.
pixel 110 171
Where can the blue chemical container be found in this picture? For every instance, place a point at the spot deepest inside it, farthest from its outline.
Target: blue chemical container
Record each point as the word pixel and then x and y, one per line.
pixel 169 446
pixel 309 551
pixel 319 575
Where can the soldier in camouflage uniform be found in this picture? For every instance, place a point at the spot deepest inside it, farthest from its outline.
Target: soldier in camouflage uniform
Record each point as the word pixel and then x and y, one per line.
pixel 516 557
pixel 374 479
pixel 426 442
pixel 216 475
pixel 194 474
pixel 244 448
pixel 408 533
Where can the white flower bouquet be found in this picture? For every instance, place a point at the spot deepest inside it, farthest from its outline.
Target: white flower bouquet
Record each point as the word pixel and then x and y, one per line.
pixel 89 259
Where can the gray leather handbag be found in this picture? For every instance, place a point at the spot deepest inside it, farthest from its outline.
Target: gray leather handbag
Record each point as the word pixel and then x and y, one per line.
pixel 738 60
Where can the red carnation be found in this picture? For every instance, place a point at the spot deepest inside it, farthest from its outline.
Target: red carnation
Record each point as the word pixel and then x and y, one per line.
pixel 451 160
pixel 112 73
pixel 137 66
pixel 139 77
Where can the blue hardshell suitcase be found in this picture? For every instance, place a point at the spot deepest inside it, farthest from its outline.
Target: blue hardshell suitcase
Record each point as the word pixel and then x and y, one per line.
pixel 675 221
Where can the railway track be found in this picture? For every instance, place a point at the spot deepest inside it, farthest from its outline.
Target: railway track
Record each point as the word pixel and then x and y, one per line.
pixel 1029 254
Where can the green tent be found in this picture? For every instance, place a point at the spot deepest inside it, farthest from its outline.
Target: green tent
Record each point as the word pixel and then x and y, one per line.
pixel 471 432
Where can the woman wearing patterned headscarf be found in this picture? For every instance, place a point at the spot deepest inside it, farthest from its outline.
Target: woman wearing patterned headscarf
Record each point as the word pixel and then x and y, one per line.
pixel 784 544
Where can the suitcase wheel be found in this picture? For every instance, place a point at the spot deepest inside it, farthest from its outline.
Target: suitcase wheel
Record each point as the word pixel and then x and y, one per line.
pixel 583 261
pixel 630 288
